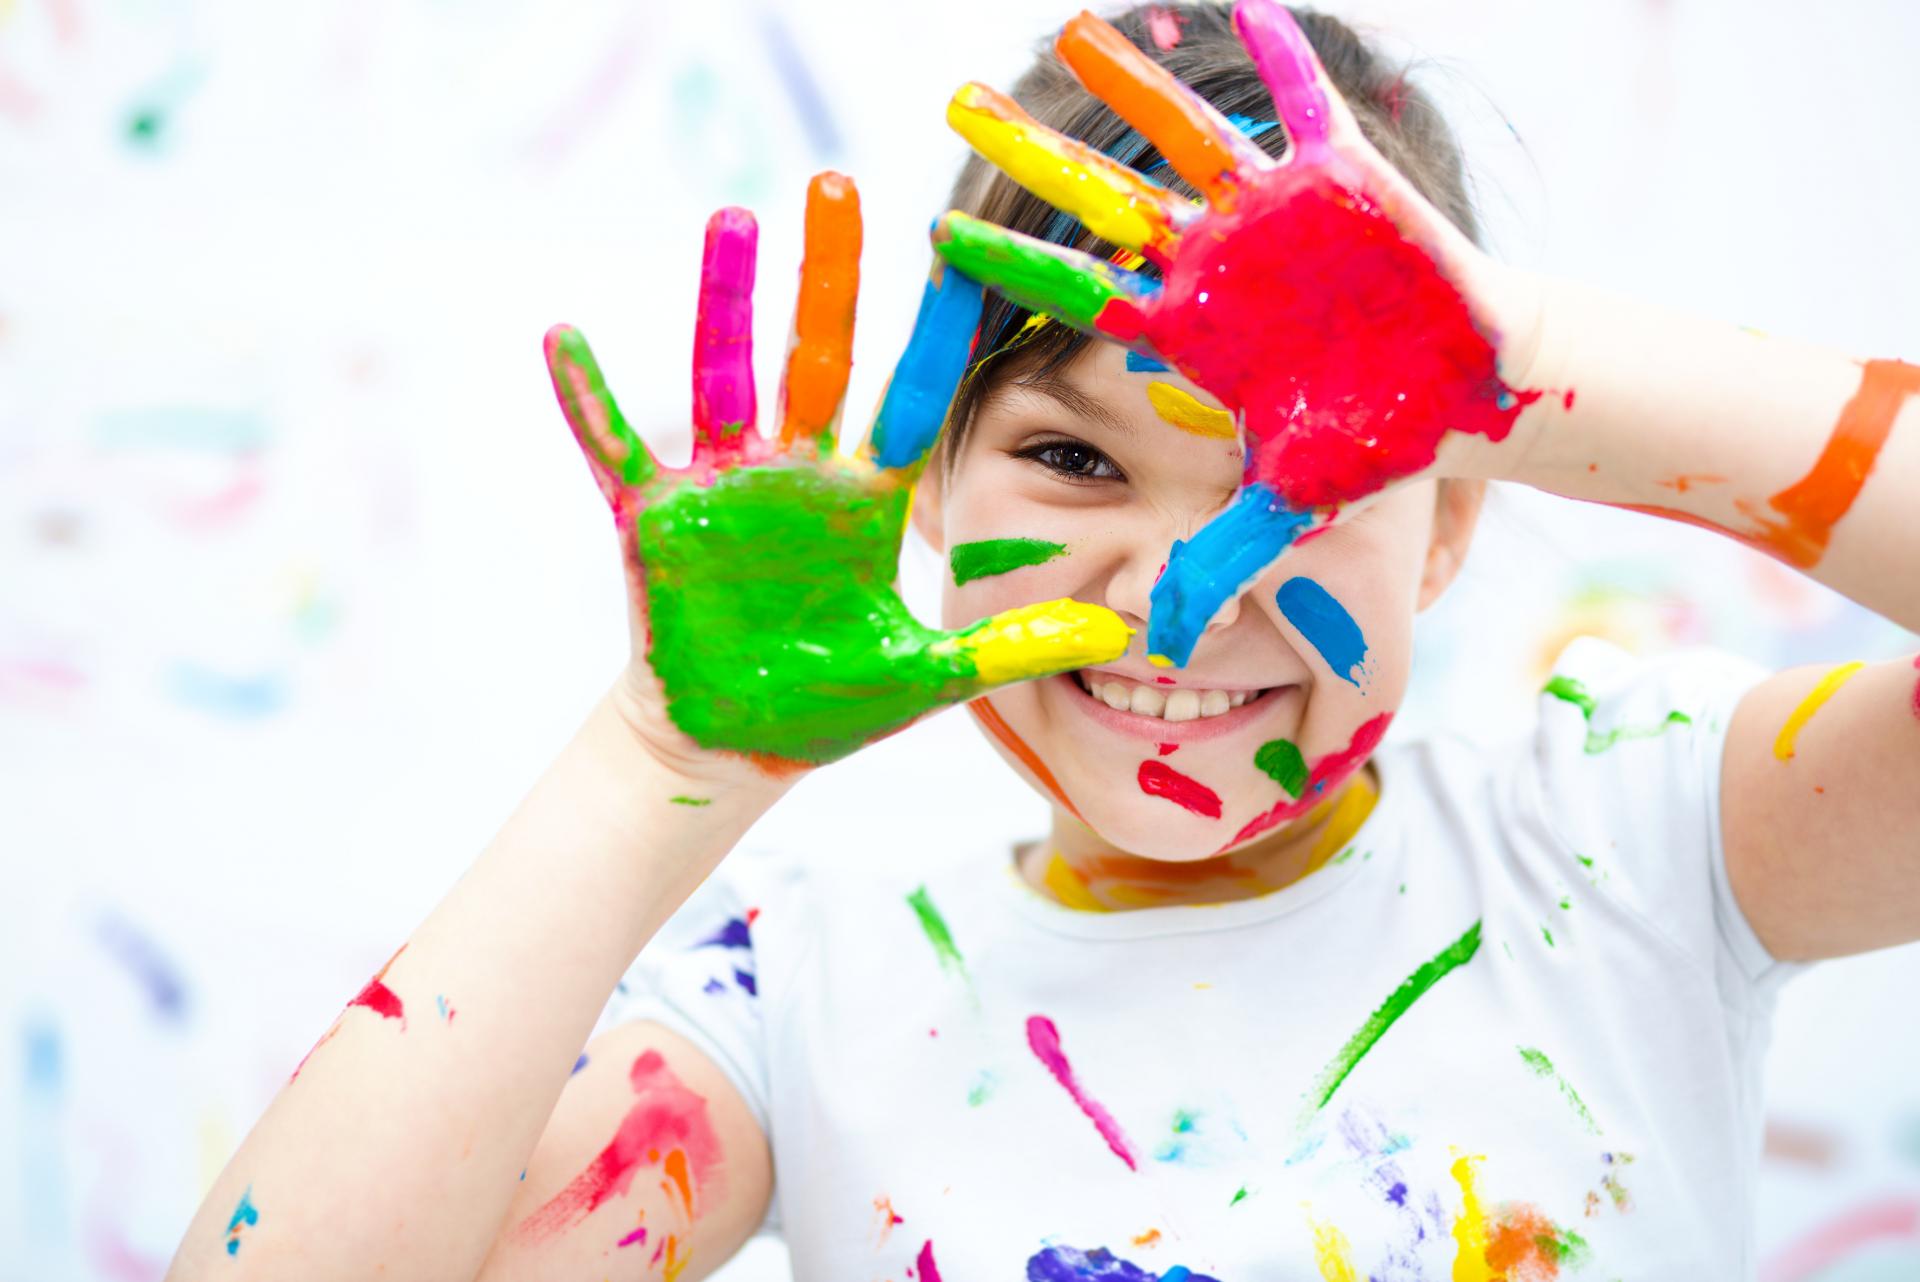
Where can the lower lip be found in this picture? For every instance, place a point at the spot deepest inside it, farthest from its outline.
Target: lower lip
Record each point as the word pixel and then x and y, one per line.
pixel 1155 730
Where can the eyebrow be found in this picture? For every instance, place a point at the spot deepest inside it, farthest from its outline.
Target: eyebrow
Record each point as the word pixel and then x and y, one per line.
pixel 1071 399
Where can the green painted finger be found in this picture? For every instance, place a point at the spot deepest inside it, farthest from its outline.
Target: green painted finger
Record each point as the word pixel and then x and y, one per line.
pixel 611 445
pixel 1066 284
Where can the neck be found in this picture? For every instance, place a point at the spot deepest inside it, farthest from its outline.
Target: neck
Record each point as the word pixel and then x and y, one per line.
pixel 1080 869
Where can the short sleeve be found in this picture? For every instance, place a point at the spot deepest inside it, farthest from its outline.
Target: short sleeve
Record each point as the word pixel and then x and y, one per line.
pixel 1628 754
pixel 700 976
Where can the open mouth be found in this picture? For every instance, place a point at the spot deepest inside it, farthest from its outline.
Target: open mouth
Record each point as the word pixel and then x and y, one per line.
pixel 1166 715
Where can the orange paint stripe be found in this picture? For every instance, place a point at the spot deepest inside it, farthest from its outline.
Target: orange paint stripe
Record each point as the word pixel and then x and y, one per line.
pixel 1149 98
pixel 996 725
pixel 822 354
pixel 1813 505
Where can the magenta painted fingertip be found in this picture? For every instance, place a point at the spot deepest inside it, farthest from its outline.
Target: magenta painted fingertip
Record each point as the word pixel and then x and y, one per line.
pixel 723 393
pixel 1286 62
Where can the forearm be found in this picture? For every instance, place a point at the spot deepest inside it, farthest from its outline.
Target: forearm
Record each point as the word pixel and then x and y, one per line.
pixel 1807 453
pixel 398 1145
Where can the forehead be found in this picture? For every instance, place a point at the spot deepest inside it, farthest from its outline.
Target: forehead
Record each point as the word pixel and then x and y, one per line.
pixel 1107 387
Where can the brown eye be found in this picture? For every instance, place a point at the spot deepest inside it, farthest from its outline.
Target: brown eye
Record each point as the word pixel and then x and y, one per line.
pixel 1072 459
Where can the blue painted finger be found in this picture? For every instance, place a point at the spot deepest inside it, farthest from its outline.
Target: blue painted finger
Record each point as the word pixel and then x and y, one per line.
pixel 1222 559
pixel 929 371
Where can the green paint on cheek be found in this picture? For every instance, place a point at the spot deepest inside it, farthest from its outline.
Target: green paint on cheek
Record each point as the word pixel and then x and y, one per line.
pixel 989 557
pixel 693 801
pixel 1281 760
pixel 772 621
pixel 1571 691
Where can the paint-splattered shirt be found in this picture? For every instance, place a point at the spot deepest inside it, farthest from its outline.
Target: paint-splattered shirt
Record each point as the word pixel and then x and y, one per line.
pixel 1515 1032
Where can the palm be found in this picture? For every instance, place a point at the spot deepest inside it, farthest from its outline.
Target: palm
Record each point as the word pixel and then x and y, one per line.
pixel 763 570
pixel 1318 296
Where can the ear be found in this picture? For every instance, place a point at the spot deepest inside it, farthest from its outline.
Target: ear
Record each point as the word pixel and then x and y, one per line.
pixel 929 501
pixel 1456 511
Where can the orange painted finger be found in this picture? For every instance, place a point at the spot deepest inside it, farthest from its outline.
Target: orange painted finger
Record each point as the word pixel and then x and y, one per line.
pixel 815 382
pixel 1201 144
pixel 1115 202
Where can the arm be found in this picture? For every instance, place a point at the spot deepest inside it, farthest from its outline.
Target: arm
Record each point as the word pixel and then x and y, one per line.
pixel 760 580
pixel 398 1145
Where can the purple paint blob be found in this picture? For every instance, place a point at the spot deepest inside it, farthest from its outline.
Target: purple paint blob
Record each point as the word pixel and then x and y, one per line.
pixel 1070 1264
pixel 732 935
pixel 1044 1038
pixel 634 1238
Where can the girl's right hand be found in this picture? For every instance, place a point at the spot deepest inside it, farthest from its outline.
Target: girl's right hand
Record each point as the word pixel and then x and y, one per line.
pixel 765 621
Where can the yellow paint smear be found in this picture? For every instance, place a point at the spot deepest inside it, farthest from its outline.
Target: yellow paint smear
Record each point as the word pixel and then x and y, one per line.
pixel 1783 745
pixel 1332 1253
pixel 1470 1230
pixel 1355 804
pixel 1188 414
pixel 1068 887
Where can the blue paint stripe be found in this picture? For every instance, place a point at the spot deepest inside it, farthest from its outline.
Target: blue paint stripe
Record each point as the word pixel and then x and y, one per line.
pixel 929 371
pixel 1221 560
pixel 1326 625
pixel 1138 364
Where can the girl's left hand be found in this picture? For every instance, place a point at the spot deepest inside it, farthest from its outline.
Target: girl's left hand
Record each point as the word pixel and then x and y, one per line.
pixel 1359 336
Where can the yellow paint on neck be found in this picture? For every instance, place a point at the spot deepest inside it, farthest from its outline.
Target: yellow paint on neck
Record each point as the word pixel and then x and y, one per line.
pixel 1470 1230
pixel 1068 887
pixel 1188 414
pixel 1349 812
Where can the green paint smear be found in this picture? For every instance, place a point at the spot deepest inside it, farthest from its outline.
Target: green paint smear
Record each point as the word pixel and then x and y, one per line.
pixel 982 1090
pixel 1543 1067
pixel 773 624
pixel 1572 691
pixel 1282 761
pixel 1239 1196
pixel 693 801
pixel 989 557
pixel 1035 279
pixel 1411 990
pixel 937 933
pixel 1548 935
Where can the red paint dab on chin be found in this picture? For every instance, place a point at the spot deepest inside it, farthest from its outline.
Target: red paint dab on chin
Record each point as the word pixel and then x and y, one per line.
pixel 1157 779
pixel 1383 355
pixel 1167 749
pixel 1327 773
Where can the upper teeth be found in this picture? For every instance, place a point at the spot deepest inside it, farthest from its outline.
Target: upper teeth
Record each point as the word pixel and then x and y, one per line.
pixel 1168 705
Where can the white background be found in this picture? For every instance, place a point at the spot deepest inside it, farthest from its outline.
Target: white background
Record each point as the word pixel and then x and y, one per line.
pixel 302 580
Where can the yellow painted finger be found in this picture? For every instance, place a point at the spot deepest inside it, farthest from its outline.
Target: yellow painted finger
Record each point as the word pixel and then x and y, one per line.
pixel 1037 640
pixel 1114 201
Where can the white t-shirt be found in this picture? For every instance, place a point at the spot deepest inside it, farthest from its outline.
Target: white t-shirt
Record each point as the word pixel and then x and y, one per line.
pixel 1528 958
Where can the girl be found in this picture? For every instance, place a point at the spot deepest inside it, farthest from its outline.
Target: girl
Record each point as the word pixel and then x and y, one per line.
pixel 1268 1001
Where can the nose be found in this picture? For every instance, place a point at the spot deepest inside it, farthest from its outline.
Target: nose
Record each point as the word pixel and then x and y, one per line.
pixel 1130 590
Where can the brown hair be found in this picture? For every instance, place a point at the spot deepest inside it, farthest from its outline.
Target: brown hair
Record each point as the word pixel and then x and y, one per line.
pixel 1398 119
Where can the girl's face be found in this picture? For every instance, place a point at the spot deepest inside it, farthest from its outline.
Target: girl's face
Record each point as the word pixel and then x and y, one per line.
pixel 1091 457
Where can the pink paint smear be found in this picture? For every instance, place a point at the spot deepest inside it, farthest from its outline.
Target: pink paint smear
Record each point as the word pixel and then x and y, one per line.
pixel 1327 774
pixel 1045 1040
pixel 665 1118
pixel 1894 1220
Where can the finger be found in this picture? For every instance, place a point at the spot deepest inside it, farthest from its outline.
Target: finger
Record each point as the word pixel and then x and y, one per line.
pixel 816 378
pixel 1115 203
pixel 1220 561
pixel 1201 144
pixel 1292 72
pixel 613 448
pixel 723 400
pixel 1036 641
pixel 929 371
pixel 1077 288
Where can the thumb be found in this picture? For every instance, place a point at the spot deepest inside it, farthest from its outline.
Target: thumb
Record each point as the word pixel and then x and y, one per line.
pixel 1035 641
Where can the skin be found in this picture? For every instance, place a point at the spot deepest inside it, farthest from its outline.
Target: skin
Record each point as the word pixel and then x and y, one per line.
pixel 1151 483
pixel 399 1149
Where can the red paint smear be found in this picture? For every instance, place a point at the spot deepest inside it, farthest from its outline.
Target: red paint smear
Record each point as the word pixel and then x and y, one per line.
pixel 1328 772
pixel 1383 355
pixel 1684 481
pixel 1897 1219
pixel 1810 507
pixel 1312 534
pixel 752 913
pixel 1166 681
pixel 929 1271
pixel 1167 749
pixel 1044 1038
pixel 1164 27
pixel 1158 779
pixel 666 1118
pixel 1568 398
pixel 1916 688
pixel 996 725
pixel 634 1238
pixel 378 998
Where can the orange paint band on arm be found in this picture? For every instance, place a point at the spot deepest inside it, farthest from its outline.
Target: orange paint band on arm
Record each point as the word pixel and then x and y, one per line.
pixel 1813 505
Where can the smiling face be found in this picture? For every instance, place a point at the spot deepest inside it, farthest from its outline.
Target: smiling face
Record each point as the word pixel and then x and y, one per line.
pixel 1290 685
